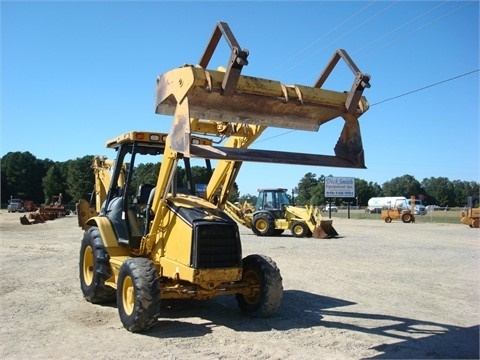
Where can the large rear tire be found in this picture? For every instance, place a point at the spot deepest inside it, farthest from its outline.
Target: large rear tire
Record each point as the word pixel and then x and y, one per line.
pixel 263 276
pixel 263 225
pixel 95 268
pixel 408 218
pixel 138 294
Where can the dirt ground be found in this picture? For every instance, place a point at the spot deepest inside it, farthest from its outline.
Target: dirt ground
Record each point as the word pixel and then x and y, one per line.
pixel 379 291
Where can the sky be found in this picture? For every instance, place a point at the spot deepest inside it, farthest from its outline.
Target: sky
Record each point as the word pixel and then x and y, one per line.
pixel 75 74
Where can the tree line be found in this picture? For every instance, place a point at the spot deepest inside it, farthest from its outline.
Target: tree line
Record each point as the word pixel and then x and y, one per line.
pixel 432 191
pixel 26 177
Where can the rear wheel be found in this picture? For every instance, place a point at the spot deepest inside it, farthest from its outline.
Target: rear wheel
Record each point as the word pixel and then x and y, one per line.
pixel 475 223
pixel 95 268
pixel 263 225
pixel 265 282
pixel 300 229
pixel 138 294
pixel 407 218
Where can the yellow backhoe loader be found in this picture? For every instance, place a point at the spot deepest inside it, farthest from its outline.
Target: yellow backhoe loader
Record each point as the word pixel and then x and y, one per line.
pixel 156 243
pixel 273 214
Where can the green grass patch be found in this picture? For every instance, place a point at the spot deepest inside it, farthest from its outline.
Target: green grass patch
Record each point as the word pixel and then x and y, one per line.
pixel 448 217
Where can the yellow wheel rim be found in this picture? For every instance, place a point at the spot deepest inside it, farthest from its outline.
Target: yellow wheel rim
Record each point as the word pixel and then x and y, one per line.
pixel 87 265
pixel 297 230
pixel 261 225
pixel 128 295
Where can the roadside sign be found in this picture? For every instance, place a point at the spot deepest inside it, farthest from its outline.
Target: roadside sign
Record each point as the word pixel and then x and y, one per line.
pixel 343 187
pixel 200 189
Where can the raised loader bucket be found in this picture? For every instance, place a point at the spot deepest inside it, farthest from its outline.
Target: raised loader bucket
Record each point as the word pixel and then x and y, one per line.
pixel 325 230
pixel 193 92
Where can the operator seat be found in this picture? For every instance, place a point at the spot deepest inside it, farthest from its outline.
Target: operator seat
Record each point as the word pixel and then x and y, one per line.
pixel 144 193
pixel 136 213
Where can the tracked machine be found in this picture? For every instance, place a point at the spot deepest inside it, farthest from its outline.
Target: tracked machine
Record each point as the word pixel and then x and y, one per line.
pixel 154 243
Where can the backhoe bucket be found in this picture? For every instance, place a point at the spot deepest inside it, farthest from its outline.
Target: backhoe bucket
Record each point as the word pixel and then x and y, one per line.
pixel 325 230
pixel 193 92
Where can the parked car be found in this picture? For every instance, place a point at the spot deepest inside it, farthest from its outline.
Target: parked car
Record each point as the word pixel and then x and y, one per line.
pixel 15 205
pixel 330 207
pixel 432 207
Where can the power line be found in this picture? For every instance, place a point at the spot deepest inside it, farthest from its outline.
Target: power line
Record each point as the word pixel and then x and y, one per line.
pixel 273 137
pixel 298 53
pixel 387 34
pixel 425 87
pixel 411 32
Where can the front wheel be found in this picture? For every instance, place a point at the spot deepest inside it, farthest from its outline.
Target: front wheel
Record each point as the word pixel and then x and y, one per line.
pixel 138 294
pixel 300 230
pixel 265 284
pixel 95 268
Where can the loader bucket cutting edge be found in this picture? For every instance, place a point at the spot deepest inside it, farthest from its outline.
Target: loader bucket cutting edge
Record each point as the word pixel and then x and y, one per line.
pixel 325 230
pixel 255 101
pixel 196 93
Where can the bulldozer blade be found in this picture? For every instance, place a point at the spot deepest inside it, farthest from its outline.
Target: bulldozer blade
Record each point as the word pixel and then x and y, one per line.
pixel 325 230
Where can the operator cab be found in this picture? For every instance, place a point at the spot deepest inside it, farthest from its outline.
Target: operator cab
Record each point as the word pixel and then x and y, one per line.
pixel 128 204
pixel 272 200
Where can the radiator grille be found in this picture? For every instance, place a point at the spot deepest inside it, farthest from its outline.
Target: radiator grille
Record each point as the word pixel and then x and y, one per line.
pixel 216 245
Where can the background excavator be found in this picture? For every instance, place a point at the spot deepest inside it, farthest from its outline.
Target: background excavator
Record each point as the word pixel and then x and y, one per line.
pixel 154 243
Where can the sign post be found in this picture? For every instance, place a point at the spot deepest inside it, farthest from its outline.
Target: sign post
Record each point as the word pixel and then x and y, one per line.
pixel 343 187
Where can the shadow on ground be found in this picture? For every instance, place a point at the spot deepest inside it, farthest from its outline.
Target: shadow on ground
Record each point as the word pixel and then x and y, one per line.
pixel 398 337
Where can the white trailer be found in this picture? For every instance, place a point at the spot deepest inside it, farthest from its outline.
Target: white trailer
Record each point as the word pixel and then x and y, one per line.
pixel 376 204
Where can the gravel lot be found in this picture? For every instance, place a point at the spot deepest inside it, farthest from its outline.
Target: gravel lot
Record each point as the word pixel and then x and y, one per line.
pixel 378 291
